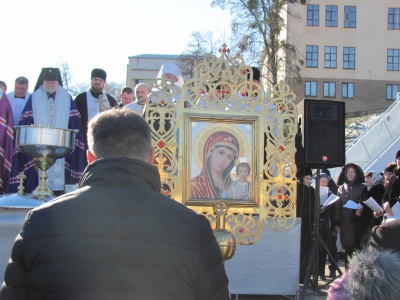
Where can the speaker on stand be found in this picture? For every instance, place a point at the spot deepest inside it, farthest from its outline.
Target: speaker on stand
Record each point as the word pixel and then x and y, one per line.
pixel 323 134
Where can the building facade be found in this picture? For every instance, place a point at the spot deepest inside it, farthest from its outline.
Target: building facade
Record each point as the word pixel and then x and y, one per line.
pixel 350 50
pixel 144 68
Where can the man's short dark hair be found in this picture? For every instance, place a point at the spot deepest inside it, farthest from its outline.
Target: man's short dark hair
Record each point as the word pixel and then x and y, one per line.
pixel 127 90
pixel 119 133
pixel 22 80
pixel 2 83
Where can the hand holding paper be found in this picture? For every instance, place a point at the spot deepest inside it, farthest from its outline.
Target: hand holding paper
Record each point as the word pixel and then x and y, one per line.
pixel 352 205
pixel 332 198
pixel 396 213
pixel 372 204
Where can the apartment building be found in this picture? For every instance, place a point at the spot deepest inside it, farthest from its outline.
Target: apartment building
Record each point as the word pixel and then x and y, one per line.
pixel 350 49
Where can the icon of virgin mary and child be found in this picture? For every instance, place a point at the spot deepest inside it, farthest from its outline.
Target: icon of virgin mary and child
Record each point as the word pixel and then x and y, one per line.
pixel 221 151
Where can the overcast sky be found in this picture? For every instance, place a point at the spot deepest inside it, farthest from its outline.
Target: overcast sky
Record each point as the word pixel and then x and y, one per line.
pixel 97 33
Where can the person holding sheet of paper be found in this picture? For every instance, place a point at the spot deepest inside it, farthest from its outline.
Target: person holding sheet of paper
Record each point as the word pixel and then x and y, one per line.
pixel 331 183
pixel 351 187
pixel 374 189
pixel 305 206
pixel 329 236
pixel 392 188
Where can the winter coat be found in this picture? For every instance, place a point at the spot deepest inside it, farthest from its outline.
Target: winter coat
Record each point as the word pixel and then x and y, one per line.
pixel 305 207
pixel 392 191
pixel 346 217
pixel 367 220
pixel 117 237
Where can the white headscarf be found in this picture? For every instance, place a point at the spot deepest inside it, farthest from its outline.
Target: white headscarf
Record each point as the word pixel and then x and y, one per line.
pixel 376 177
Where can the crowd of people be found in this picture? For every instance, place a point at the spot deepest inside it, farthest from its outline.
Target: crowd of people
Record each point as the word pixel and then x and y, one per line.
pixel 116 143
pixel 50 105
pixel 367 236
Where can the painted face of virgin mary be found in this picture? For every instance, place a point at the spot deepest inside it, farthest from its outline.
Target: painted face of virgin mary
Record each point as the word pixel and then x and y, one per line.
pixel 221 158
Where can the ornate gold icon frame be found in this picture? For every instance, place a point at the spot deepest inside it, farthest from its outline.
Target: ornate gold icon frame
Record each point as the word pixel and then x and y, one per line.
pixel 224 95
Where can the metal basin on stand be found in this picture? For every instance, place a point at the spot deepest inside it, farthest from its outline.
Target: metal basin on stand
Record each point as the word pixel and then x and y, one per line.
pixel 37 141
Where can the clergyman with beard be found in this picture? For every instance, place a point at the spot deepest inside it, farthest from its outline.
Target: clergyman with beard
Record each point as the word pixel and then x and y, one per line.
pixel 50 105
pixel 95 100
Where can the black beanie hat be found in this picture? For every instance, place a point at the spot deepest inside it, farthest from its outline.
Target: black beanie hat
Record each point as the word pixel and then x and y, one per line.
pixel 99 73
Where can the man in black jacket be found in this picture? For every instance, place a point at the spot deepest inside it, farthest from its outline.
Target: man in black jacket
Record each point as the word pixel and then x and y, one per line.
pixel 116 237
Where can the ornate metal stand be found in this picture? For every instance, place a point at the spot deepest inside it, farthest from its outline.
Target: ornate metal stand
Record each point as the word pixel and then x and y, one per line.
pixel 225 238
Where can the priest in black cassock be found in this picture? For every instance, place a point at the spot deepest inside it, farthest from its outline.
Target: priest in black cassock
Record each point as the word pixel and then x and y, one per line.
pixel 95 100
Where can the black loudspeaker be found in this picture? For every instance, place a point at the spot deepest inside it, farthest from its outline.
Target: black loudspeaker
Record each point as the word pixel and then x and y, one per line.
pixel 323 132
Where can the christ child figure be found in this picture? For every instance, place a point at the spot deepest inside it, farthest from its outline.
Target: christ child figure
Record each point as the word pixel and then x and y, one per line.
pixel 240 189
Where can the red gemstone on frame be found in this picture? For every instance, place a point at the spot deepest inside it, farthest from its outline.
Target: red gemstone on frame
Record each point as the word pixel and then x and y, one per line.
pixel 241 230
pixel 161 144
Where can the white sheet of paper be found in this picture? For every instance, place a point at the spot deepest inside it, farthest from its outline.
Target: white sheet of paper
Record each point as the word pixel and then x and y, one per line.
pixel 332 199
pixel 352 205
pixel 396 213
pixel 372 204
pixel 323 194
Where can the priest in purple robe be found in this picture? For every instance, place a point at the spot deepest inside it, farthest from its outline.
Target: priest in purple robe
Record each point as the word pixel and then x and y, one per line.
pixel 6 142
pixel 50 106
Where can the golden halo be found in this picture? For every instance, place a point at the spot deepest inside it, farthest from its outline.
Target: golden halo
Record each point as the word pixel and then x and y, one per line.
pixel 208 130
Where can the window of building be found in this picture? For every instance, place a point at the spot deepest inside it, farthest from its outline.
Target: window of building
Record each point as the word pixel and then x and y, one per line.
pixel 393 59
pixel 394 19
pixel 330 57
pixel 310 89
pixel 391 91
pixel 349 58
pixel 312 15
pixel 350 14
pixel 348 90
pixel 330 89
pixel 331 16
pixel 312 56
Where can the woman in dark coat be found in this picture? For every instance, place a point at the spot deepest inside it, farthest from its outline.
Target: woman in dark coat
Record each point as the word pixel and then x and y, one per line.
pixel 392 188
pixel 306 211
pixel 375 189
pixel 351 187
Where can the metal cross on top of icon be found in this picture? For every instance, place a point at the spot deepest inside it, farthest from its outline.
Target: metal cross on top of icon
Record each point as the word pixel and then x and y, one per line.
pixel 224 49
